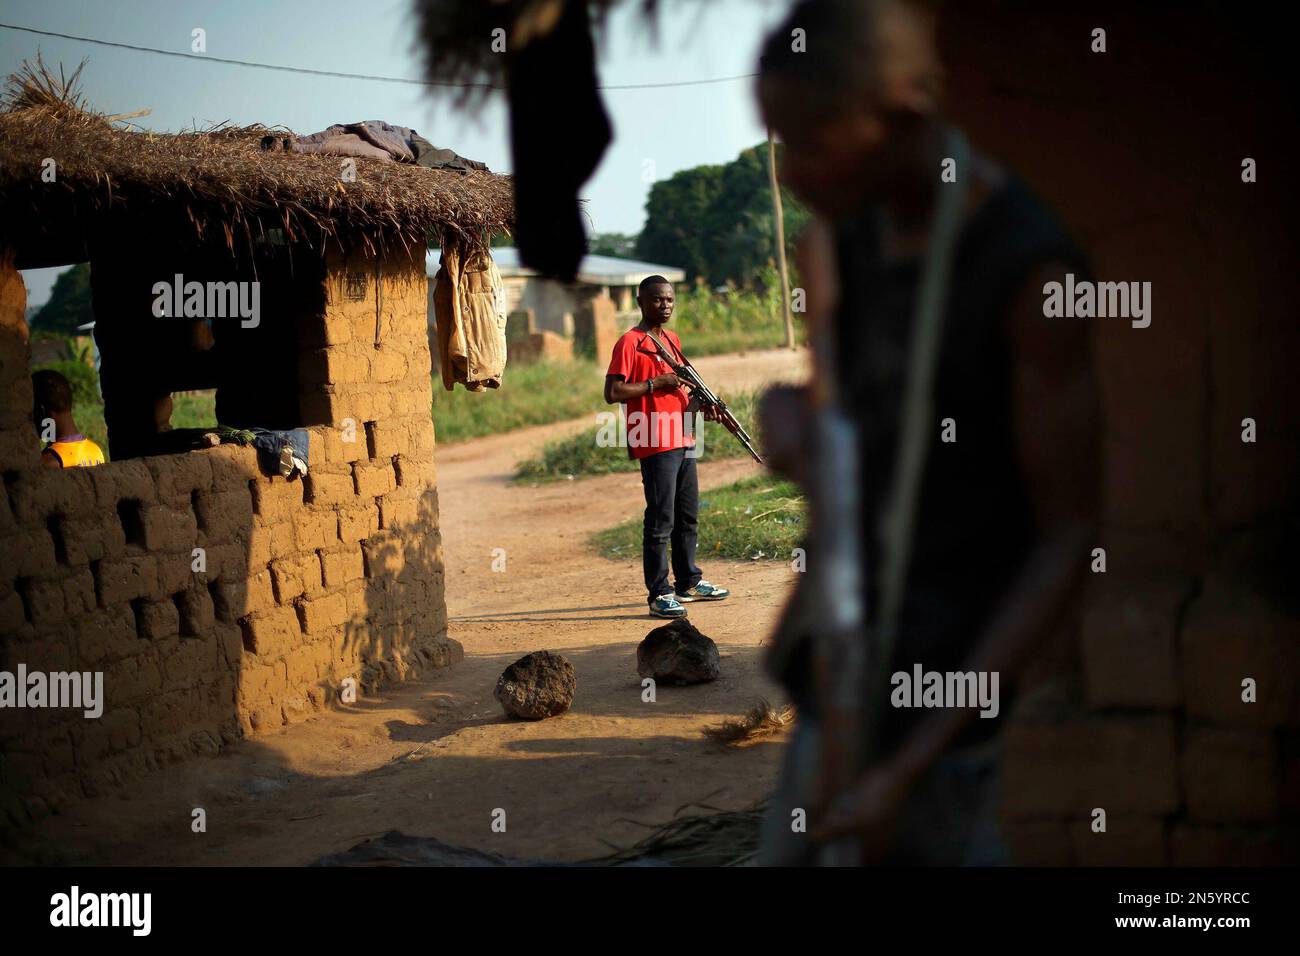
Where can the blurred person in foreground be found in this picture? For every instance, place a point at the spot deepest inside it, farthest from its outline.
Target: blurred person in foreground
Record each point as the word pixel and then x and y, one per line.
pixel 1006 496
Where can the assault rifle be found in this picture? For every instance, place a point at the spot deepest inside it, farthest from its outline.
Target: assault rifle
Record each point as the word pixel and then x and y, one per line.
pixel 705 397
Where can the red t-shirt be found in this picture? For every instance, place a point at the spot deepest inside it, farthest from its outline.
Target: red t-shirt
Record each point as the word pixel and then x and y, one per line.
pixel 655 422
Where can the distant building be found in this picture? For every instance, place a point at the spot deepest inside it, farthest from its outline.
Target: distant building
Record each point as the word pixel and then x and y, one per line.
pixel 555 303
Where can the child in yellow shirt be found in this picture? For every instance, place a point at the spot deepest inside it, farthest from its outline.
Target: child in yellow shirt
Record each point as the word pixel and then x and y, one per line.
pixel 69 448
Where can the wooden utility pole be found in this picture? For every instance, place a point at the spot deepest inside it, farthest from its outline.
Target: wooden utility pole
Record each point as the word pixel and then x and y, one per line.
pixel 780 240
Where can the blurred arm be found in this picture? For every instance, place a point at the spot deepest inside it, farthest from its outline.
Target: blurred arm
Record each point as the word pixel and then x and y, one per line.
pixel 785 411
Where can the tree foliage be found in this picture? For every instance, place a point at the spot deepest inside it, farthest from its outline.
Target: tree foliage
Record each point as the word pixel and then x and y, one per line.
pixel 69 304
pixel 617 244
pixel 716 222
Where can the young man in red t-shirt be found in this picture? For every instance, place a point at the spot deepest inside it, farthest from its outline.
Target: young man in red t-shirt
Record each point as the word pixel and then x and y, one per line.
pixel 660 436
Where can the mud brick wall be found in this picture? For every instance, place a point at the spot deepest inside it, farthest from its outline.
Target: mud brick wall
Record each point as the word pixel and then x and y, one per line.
pixel 366 381
pixel 540 347
pixel 305 582
pixel 1138 707
pixel 597 328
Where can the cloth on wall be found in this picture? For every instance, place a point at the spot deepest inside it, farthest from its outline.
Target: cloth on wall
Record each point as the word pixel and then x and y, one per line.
pixel 279 451
pixel 469 303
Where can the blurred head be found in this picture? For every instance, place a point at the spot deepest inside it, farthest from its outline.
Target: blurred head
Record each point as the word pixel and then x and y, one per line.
pixel 655 297
pixel 53 396
pixel 849 96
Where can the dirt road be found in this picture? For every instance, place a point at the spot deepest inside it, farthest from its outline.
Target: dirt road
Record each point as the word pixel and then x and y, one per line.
pixel 435 757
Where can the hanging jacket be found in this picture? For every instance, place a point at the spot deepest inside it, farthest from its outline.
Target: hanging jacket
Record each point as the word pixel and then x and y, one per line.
pixel 469 303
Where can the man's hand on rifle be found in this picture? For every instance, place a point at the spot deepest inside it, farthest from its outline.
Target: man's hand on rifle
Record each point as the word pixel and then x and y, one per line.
pixel 663 383
pixel 710 411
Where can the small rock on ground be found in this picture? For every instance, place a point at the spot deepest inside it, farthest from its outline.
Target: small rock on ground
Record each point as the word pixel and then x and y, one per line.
pixel 537 686
pixel 678 653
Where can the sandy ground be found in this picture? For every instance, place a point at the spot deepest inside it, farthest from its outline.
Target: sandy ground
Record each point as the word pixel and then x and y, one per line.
pixel 436 757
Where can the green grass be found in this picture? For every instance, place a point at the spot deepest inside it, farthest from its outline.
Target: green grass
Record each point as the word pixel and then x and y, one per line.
pixel 761 517
pixel 741 319
pixel 722 343
pixel 195 411
pixel 529 395
pixel 90 419
pixel 579 455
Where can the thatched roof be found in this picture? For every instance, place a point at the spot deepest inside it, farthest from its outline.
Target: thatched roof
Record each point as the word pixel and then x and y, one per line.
pixel 218 182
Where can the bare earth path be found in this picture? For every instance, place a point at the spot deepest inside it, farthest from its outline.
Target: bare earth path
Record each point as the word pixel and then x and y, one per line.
pixel 435 757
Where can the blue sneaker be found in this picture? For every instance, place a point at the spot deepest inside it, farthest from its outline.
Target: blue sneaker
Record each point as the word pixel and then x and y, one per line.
pixel 666 605
pixel 703 591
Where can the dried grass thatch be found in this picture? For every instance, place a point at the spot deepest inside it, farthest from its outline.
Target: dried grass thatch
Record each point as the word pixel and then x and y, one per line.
pixel 762 720
pixel 34 86
pixel 218 180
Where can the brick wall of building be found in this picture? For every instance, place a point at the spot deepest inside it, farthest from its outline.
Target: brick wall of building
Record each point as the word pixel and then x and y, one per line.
pixel 1138 709
pixel 302 584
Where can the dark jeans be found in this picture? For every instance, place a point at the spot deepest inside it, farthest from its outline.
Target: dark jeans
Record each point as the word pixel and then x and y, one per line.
pixel 672 498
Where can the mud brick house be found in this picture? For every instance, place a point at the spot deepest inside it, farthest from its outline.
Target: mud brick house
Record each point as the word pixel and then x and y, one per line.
pixel 218 600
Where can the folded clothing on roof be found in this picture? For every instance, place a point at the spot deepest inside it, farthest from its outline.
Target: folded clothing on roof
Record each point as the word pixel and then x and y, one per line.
pixel 374 139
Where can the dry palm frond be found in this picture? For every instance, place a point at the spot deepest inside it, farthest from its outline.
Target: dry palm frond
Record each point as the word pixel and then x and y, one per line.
pixel 722 838
pixel 762 720
pixel 33 86
pixel 455 37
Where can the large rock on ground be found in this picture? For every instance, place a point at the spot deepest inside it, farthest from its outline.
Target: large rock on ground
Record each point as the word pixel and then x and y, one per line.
pixel 537 685
pixel 678 653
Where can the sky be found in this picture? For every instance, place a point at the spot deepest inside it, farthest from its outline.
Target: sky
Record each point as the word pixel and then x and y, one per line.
pixel 657 132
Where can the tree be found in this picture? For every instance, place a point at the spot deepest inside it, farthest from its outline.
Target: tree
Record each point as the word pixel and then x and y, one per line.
pixel 69 304
pixel 675 214
pixel 613 244
pixel 716 221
